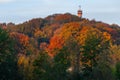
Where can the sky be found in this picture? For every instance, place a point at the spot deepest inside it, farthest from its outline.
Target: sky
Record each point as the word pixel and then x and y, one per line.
pixel 19 11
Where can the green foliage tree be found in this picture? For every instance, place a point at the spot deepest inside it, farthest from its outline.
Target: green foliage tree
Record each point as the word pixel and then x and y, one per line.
pixel 61 64
pixel 103 70
pixel 52 69
pixel 8 64
pixel 115 60
pixel 91 56
pixel 42 67
pixel 73 48
pixel 25 66
pixel 118 70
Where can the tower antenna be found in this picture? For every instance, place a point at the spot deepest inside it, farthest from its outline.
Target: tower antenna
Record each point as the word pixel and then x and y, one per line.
pixel 79 7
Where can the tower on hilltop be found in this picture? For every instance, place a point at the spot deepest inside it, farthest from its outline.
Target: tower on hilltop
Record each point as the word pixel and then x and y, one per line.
pixel 79 13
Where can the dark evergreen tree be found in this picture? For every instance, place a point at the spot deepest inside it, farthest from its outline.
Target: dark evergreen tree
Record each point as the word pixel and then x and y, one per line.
pixel 8 64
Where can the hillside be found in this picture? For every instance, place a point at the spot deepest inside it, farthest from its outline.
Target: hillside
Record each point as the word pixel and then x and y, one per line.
pixel 48 26
pixel 63 47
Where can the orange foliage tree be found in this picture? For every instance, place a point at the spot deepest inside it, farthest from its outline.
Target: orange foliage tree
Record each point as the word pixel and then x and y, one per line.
pixel 22 41
pixel 56 42
pixel 77 32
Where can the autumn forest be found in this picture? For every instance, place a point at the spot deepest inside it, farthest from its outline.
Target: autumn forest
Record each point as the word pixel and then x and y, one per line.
pixel 60 47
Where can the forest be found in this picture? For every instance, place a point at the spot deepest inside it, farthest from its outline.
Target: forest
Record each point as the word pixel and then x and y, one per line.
pixel 60 47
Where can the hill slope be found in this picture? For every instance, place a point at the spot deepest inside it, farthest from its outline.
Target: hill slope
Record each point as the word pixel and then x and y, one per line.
pixel 46 27
pixel 61 47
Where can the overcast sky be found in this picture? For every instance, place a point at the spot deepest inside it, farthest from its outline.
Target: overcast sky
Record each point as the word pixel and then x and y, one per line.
pixel 18 11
